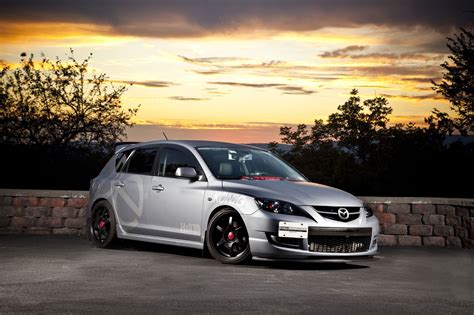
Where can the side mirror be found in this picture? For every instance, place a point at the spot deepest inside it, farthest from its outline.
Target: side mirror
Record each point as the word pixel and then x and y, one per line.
pixel 186 172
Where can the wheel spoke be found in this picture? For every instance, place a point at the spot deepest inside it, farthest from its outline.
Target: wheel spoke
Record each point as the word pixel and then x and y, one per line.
pixel 219 228
pixel 232 251
pixel 221 241
pixel 230 221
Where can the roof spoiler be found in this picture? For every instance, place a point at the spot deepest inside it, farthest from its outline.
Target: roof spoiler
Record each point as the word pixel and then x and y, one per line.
pixel 120 145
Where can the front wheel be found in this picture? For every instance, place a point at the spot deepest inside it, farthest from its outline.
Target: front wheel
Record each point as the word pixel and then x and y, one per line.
pixel 227 238
pixel 102 227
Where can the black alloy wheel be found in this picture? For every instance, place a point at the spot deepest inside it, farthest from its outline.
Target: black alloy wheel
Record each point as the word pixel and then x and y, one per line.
pixel 102 226
pixel 227 238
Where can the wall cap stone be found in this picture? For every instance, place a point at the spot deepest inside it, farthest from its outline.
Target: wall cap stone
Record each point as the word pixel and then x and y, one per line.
pixel 383 200
pixel 44 193
pixel 420 200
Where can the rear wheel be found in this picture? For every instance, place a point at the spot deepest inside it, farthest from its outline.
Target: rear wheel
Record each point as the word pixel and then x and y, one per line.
pixel 227 237
pixel 102 227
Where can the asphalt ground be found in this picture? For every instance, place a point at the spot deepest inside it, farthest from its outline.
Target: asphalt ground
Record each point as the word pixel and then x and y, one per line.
pixel 69 275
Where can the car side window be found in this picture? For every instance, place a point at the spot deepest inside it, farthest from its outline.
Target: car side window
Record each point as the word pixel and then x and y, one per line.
pixel 141 162
pixel 121 159
pixel 171 159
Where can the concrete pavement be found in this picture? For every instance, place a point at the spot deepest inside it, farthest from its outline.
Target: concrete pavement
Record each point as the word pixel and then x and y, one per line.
pixel 67 274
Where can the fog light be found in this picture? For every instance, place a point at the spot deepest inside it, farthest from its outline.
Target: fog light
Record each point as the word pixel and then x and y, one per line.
pixel 374 242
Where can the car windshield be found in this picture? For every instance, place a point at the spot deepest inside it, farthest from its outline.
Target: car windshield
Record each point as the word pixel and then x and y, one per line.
pixel 247 164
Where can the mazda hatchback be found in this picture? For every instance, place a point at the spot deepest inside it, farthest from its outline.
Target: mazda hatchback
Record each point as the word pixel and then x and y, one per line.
pixel 236 201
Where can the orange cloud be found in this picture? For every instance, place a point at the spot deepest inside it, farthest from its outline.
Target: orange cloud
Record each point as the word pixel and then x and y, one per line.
pixel 72 33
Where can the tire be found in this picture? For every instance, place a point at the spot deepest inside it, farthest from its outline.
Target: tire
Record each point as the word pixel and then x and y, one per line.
pixel 227 237
pixel 102 225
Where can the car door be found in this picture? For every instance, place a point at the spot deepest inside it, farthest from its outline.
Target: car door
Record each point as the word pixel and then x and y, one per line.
pixel 131 188
pixel 175 204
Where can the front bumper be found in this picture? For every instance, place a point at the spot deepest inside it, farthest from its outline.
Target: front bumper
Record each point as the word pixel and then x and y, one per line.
pixel 327 239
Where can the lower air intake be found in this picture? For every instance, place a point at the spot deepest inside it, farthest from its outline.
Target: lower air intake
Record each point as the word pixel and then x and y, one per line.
pixel 339 244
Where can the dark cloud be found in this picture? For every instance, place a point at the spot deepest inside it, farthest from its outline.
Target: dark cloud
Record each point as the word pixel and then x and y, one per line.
pixel 420 79
pixel 189 18
pixel 294 90
pixel 389 70
pixel 155 84
pixel 267 64
pixel 183 98
pixel 393 56
pixel 252 85
pixel 343 52
pixel 208 72
pixel 421 97
pixel 353 52
pixel 208 60
pixel 287 89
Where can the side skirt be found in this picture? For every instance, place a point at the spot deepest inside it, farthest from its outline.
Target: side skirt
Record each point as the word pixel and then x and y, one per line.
pixel 157 239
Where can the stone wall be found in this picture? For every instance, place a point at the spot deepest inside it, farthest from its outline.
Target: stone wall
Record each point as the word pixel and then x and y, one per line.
pixel 41 212
pixel 424 221
pixel 403 220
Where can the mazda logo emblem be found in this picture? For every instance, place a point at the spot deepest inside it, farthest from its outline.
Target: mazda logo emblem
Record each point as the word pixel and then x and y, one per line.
pixel 343 213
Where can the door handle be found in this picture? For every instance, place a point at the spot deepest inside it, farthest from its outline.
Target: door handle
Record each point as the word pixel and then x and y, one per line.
pixel 119 184
pixel 158 187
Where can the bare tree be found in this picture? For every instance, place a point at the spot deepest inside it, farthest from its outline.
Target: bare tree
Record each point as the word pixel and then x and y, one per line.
pixel 60 103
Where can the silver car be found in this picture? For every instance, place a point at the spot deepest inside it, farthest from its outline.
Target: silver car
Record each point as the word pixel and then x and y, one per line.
pixel 235 201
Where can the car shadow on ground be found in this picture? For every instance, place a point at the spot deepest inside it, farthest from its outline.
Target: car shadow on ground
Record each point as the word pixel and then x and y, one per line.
pixel 255 263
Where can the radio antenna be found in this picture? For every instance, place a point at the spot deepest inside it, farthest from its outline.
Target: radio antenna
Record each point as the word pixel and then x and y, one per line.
pixel 164 134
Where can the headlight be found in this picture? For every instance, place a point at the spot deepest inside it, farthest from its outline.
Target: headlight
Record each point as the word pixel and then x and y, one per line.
pixel 368 211
pixel 280 207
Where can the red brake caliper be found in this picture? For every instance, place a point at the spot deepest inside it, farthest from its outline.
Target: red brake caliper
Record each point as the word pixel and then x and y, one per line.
pixel 231 236
pixel 101 224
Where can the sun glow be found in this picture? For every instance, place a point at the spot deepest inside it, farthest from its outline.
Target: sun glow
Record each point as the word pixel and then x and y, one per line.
pixel 242 85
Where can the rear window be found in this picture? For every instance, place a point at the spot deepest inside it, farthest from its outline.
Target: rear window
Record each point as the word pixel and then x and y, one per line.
pixel 141 162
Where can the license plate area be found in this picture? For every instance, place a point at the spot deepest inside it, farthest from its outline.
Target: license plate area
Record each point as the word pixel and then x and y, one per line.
pixel 292 229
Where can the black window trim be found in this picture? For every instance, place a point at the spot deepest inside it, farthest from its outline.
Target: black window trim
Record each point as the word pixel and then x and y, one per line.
pixel 202 175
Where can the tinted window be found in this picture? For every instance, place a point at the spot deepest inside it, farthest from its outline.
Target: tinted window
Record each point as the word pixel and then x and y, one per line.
pixel 121 159
pixel 171 159
pixel 141 161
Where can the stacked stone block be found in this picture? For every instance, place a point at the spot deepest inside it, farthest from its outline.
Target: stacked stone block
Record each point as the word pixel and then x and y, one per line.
pixel 424 221
pixel 405 221
pixel 42 212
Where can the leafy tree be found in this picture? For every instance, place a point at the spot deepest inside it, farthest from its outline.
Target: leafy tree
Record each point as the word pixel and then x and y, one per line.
pixel 355 125
pixel 457 85
pixel 60 103
pixel 356 150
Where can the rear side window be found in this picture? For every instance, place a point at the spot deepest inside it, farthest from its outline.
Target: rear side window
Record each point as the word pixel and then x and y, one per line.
pixel 171 159
pixel 121 159
pixel 141 162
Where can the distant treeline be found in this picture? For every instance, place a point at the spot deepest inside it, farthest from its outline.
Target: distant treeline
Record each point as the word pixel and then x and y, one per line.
pixel 49 167
pixel 396 167
pixel 356 150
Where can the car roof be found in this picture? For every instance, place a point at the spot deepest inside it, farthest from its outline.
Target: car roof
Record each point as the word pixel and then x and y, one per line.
pixel 196 144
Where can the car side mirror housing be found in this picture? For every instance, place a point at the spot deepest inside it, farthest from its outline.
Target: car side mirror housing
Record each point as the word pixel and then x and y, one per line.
pixel 186 172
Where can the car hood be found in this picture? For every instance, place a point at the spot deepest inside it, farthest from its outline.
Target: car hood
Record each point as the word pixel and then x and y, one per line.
pixel 298 193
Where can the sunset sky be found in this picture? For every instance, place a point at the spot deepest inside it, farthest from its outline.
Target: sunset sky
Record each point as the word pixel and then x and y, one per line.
pixel 237 70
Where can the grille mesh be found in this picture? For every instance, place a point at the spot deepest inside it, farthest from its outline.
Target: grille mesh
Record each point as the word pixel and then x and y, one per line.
pixel 339 244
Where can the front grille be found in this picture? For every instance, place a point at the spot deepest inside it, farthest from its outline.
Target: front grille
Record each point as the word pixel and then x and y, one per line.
pixel 339 240
pixel 332 212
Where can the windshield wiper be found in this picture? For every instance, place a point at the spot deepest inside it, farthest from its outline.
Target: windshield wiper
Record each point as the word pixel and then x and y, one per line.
pixel 262 177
